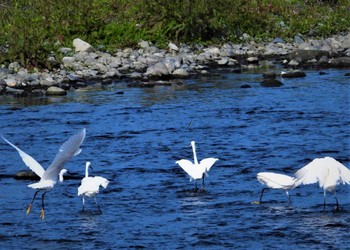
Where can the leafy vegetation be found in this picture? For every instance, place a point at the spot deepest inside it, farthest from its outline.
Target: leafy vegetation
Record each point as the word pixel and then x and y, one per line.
pixel 33 29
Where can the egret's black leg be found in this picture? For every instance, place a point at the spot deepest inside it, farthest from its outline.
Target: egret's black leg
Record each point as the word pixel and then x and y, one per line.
pixel 261 195
pixel 42 213
pixel 336 200
pixel 203 182
pixel 31 203
pixel 98 206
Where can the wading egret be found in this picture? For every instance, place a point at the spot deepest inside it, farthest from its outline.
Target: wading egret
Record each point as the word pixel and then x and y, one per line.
pixel 275 181
pixel 328 172
pixel 196 170
pixel 90 185
pixel 49 177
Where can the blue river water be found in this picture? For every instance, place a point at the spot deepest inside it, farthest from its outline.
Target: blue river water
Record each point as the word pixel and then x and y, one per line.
pixel 135 135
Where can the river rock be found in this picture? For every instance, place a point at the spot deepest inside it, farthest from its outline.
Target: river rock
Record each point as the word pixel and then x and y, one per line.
pixel 55 91
pixel 15 92
pixel 340 62
pixel 82 46
pixel 293 74
pixel 271 83
pixel 180 73
pixel 26 175
pixel 14 67
pixel 173 46
pixel 305 55
pixel 158 69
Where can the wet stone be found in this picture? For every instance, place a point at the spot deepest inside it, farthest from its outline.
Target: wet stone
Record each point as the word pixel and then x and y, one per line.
pixel 293 74
pixel 271 83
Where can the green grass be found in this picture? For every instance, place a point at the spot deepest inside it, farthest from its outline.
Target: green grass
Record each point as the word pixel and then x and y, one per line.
pixel 34 29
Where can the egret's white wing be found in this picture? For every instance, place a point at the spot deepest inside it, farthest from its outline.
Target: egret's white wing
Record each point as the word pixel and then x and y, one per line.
pixel 207 163
pixel 274 180
pixel 343 173
pixel 187 165
pixel 101 181
pixel 68 149
pixel 28 160
pixel 311 173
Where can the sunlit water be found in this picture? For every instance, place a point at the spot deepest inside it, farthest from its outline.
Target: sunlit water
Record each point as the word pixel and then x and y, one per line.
pixel 135 137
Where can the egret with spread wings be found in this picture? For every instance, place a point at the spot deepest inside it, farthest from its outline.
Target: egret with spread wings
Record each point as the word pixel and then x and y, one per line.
pixel 49 177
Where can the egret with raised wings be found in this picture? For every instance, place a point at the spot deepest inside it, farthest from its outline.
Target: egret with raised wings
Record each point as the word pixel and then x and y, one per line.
pixel 276 181
pixel 90 186
pixel 196 170
pixel 49 177
pixel 328 172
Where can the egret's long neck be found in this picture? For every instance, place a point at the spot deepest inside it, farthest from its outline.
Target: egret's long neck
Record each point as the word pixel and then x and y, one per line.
pixel 87 170
pixel 194 154
pixel 61 176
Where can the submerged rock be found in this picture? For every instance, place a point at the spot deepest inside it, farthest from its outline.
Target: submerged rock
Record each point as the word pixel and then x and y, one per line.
pixel 271 83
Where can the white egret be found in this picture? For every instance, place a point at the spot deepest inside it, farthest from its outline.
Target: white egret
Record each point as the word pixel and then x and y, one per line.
pixel 276 181
pixel 197 170
pixel 90 185
pixel 328 172
pixel 49 177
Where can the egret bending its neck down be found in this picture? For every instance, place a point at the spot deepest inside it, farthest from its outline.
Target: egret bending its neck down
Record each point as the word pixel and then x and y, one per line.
pixel 196 170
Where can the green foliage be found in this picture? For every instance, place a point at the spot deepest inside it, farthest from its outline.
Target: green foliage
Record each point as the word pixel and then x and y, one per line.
pixel 33 29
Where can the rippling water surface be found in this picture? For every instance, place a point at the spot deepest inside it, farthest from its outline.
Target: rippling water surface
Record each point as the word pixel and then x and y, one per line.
pixel 134 137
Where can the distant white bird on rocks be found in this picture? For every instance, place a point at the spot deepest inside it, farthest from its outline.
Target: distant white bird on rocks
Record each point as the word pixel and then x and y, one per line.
pixel 197 170
pixel 328 172
pixel 90 185
pixel 276 181
pixel 49 177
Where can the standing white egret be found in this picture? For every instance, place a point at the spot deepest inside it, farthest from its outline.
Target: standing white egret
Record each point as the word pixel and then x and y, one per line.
pixel 328 172
pixel 196 170
pixel 48 177
pixel 276 181
pixel 90 185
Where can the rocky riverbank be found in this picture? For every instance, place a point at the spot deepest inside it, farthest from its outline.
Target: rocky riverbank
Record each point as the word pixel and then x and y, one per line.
pixel 146 65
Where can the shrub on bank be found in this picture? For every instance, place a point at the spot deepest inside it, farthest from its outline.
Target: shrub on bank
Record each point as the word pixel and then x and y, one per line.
pixel 32 30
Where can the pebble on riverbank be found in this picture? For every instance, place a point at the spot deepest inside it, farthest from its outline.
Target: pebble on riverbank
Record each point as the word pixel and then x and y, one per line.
pixel 145 65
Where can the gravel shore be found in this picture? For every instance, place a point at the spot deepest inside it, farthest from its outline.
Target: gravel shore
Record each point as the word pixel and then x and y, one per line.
pixel 146 66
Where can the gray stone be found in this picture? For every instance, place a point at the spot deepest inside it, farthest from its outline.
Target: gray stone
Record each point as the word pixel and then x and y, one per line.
pixel 180 73
pixel 173 46
pixel 68 61
pixel 293 74
pixel 278 40
pixel 345 44
pixel 305 55
pixel 82 46
pixel 158 69
pixel 65 50
pixel 55 91
pixel 14 67
pixel 298 40
pixel 143 44
pixel 340 62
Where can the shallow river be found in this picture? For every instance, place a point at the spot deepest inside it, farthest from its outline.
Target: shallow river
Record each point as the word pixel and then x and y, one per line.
pixel 135 135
